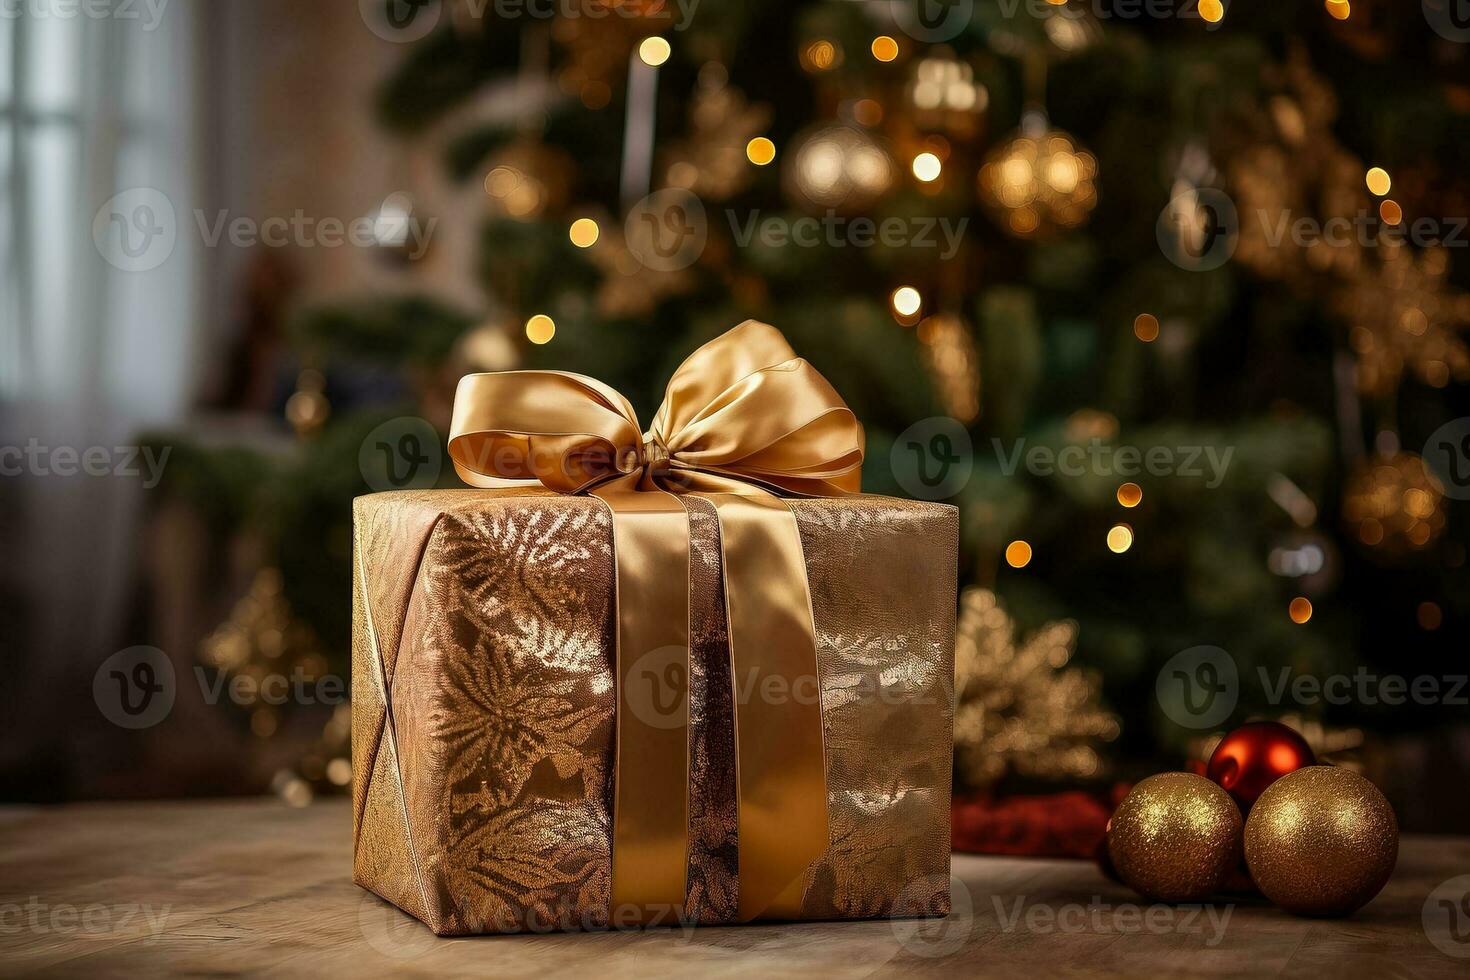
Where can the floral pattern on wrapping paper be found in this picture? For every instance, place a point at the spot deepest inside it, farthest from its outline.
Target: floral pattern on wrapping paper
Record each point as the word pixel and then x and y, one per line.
pixel 505 878
pixel 501 712
pixel 523 565
pixel 521 711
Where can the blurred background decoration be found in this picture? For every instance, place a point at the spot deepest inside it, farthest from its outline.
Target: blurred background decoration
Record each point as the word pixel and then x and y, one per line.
pixel 1018 706
pixel 498 159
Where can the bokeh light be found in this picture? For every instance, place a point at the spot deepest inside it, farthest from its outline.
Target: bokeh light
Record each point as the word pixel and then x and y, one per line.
pixel 760 151
pixel 1300 610
pixel 584 232
pixel 540 329
pixel 654 51
pixel 927 167
pixel 867 112
pixel 821 55
pixel 907 301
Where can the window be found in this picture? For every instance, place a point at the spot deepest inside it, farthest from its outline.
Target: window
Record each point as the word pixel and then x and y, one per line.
pixel 95 99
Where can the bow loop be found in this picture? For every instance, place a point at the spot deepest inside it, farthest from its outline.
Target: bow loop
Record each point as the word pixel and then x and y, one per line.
pixel 782 426
pixel 565 431
pixel 745 406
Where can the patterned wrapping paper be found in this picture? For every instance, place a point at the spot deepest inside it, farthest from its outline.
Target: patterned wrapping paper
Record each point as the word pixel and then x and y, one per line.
pixel 483 708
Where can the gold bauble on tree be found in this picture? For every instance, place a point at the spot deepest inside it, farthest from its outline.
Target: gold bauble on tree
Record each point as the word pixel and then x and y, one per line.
pixel 839 167
pixel 1039 182
pixel 1321 841
pixel 308 409
pixel 1175 837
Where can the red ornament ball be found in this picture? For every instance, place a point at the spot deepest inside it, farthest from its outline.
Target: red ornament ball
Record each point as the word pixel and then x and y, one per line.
pixel 1254 756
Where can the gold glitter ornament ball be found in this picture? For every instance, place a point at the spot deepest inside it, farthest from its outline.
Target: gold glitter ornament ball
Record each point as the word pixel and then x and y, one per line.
pixel 1321 841
pixel 1175 837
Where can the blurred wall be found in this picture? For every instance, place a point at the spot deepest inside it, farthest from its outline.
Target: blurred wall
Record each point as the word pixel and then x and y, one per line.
pixel 294 132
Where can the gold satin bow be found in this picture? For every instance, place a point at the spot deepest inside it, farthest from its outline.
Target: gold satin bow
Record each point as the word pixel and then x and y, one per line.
pixel 743 419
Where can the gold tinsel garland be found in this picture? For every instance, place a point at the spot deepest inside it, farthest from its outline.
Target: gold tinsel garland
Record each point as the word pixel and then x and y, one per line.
pixel 1018 706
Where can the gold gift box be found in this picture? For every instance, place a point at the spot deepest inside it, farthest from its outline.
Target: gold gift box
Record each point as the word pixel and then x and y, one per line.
pixel 483 709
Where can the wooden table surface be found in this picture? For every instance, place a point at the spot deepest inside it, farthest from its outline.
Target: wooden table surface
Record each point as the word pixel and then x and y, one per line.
pixel 247 887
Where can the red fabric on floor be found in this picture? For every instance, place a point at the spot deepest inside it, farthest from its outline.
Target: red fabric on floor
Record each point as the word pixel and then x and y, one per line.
pixel 1070 824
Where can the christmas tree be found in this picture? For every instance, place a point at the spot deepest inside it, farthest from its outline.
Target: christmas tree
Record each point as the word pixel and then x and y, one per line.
pixel 1049 254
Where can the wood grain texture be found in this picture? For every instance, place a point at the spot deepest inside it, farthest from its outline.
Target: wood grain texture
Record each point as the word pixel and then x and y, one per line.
pixel 253 887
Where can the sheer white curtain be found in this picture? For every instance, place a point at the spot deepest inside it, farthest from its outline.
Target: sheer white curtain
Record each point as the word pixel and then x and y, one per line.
pixel 95 106
pixel 98 104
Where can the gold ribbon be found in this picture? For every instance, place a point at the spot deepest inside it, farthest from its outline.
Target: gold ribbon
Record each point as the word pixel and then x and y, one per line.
pixel 743 419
